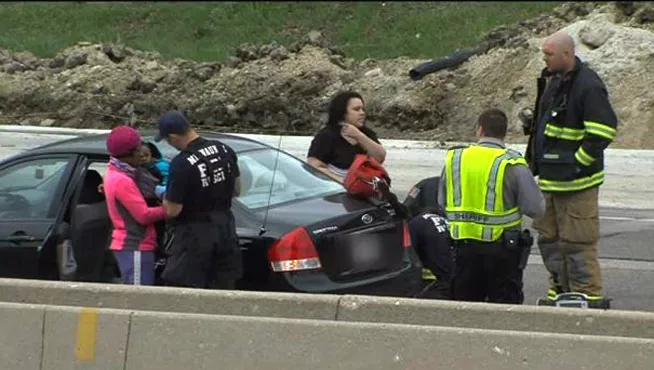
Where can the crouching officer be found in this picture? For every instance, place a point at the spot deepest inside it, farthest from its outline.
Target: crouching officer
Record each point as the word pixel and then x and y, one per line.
pixel 484 189
pixel 204 250
pixel 421 195
pixel 431 239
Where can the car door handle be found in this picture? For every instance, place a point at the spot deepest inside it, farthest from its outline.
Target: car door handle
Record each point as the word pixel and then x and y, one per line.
pixel 19 238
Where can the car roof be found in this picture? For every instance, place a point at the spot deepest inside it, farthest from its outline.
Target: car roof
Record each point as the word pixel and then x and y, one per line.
pixel 96 144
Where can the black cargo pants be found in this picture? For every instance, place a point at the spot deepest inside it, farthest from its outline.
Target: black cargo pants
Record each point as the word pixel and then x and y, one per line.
pixel 486 272
pixel 204 253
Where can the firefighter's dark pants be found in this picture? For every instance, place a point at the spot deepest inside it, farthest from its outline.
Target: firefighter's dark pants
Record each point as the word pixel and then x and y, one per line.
pixel 205 253
pixel 486 272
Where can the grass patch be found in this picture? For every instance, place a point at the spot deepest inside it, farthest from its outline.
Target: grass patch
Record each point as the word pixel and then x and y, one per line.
pixel 211 31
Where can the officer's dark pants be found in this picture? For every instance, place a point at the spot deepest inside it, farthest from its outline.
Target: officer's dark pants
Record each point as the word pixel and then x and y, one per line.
pixel 205 253
pixel 437 258
pixel 439 262
pixel 432 289
pixel 486 272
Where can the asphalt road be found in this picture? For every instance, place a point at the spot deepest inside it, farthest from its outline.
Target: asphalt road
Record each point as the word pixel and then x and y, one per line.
pixel 626 213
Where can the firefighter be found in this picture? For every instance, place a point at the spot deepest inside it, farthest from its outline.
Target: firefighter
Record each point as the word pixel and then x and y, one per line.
pixel 421 195
pixel 431 239
pixel 485 189
pixel 203 179
pixel 569 129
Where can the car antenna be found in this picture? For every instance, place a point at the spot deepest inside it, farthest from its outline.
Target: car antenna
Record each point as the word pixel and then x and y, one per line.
pixel 272 183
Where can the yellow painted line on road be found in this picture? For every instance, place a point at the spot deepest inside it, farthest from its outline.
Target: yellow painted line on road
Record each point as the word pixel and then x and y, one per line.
pixel 86 334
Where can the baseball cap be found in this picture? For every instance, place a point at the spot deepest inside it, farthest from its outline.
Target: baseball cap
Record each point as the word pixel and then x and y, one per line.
pixel 173 122
pixel 122 140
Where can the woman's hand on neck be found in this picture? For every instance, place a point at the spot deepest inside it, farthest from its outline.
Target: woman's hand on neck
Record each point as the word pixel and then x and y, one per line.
pixel 350 133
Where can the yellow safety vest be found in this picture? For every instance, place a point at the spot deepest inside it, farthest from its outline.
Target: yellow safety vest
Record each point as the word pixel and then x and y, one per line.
pixel 475 183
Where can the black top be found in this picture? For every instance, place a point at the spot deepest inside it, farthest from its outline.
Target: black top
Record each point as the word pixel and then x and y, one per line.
pixel 423 194
pixel 202 178
pixel 331 148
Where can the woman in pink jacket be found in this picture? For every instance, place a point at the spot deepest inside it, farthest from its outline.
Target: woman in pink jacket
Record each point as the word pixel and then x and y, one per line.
pixel 134 238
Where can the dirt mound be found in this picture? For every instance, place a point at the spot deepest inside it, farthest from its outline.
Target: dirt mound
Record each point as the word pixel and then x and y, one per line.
pixel 271 88
pixel 612 38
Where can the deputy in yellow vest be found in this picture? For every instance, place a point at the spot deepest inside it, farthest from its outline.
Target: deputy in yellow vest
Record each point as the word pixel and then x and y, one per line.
pixel 485 189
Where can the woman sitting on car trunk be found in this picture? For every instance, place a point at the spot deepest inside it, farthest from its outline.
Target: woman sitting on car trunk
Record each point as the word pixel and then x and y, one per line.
pixel 134 238
pixel 335 147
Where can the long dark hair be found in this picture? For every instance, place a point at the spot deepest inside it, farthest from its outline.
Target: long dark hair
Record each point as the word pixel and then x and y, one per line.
pixel 338 107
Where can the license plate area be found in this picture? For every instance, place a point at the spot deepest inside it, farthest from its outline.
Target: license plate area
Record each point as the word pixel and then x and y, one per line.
pixel 361 253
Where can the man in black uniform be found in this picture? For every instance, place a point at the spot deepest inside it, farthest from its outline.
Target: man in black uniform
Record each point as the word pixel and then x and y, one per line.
pixel 430 236
pixel 204 176
pixel 423 194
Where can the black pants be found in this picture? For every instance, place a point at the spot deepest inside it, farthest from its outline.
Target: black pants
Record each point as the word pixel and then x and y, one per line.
pixel 486 272
pixel 436 290
pixel 205 254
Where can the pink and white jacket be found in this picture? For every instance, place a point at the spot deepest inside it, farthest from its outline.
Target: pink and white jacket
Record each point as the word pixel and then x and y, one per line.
pixel 132 219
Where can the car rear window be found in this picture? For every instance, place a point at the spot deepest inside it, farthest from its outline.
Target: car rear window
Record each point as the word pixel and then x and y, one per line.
pixel 294 179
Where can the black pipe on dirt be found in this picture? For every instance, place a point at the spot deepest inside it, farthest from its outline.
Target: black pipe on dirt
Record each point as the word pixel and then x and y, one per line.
pixel 452 60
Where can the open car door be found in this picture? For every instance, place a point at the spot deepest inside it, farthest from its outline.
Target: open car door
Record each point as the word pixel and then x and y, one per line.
pixel 34 192
pixel 90 230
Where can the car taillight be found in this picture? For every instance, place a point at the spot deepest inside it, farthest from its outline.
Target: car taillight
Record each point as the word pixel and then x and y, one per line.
pixel 294 251
pixel 407 236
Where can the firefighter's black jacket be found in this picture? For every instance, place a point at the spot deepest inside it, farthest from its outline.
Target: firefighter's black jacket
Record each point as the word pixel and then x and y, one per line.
pixel 574 123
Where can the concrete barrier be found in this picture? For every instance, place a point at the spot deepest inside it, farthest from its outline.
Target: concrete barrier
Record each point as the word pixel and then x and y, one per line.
pixel 259 343
pixel 268 304
pixel 75 336
pixel 21 336
pixel 497 316
pixel 83 338
pixel 330 307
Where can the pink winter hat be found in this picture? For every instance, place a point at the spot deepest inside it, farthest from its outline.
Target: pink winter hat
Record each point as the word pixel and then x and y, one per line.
pixel 122 141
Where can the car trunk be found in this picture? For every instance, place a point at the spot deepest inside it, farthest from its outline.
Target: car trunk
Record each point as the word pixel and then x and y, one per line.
pixel 366 244
pixel 353 238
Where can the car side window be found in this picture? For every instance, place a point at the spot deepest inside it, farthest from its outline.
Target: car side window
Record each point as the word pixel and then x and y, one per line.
pixel 27 189
pixel 99 166
pixel 92 187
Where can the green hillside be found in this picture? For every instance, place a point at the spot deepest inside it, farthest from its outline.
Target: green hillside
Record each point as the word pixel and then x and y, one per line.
pixel 211 31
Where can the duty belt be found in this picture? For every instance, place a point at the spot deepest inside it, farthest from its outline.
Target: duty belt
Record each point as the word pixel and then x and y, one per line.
pixel 471 243
pixel 195 216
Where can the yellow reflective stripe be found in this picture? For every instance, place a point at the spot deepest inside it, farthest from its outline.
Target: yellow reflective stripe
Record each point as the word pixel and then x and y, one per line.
pixel 456 179
pixel 495 188
pixel 453 175
pixel 583 157
pixel 490 231
pixel 578 184
pixel 565 133
pixel 517 161
pixel 485 219
pixel 599 129
pixel 427 275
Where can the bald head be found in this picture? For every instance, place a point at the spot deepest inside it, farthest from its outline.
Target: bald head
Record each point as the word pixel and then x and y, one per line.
pixel 559 52
pixel 562 41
